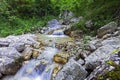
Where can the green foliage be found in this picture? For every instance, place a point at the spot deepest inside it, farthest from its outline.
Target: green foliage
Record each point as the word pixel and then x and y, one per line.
pixel 22 16
pixel 20 26
pixel 80 25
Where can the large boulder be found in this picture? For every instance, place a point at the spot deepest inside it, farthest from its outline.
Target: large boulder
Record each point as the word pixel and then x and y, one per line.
pixel 103 53
pixel 8 57
pixel 108 67
pixel 71 71
pixel 108 28
pixel 53 25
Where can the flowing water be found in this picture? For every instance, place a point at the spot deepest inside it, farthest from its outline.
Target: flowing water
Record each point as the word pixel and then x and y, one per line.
pixel 42 67
pixel 38 69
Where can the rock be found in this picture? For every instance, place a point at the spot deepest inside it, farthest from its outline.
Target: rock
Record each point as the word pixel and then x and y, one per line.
pixel 56 70
pixel 75 20
pixel 53 25
pixel 37 45
pixel 8 57
pixel 89 24
pixel 9 52
pixel 58 32
pixel 106 36
pixel 35 54
pixel 74 34
pixel 0 75
pixel 10 77
pixel 81 62
pixel 71 71
pixel 112 41
pixel 101 55
pixel 19 46
pixel 27 53
pixel 108 28
pixel 61 58
pixel 4 44
pixel 92 47
pixel 108 66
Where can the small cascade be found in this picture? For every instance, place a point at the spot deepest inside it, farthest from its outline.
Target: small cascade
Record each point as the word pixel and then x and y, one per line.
pixel 38 69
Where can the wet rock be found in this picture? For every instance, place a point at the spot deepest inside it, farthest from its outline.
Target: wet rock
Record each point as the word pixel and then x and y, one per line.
pixel 56 70
pixel 71 71
pixel 37 45
pixel 108 28
pixel 35 54
pixel 58 32
pixel 19 46
pixel 61 58
pixel 8 57
pixel 27 53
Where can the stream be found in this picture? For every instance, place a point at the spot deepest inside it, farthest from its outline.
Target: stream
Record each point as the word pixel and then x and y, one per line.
pixel 42 67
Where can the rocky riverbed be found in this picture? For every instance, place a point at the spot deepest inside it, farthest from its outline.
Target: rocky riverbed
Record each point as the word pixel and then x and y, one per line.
pixel 52 55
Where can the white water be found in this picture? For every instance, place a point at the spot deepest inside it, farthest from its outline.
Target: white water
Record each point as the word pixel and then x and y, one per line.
pixel 29 71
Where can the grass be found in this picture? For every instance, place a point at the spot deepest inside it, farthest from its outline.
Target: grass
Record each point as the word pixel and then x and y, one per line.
pixel 15 25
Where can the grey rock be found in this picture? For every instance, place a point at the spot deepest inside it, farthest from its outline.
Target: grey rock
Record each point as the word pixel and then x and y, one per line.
pixel 71 71
pixel 27 53
pixel 27 39
pixel 108 28
pixel 101 55
pixel 10 52
pixel 112 41
pixel 53 25
pixel 81 62
pixel 8 55
pixel 19 46
pixel 92 47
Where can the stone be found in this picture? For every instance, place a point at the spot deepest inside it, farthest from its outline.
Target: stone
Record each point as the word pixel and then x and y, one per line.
pixel 61 58
pixel 58 32
pixel 0 75
pixel 92 47
pixel 8 57
pixel 19 46
pixel 71 71
pixel 56 70
pixel 27 53
pixel 10 52
pixel 101 55
pixel 35 54
pixel 81 62
pixel 108 28
pixel 9 77
pixel 89 24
